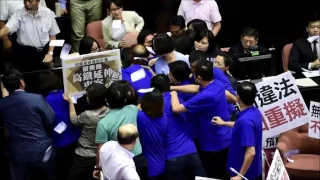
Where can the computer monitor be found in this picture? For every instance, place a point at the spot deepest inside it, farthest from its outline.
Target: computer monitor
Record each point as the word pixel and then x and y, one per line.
pixel 253 65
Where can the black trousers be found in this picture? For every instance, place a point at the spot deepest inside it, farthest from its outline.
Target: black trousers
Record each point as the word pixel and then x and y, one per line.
pixel 27 59
pixel 64 160
pixel 82 168
pixel 141 166
pixel 187 166
pixel 32 170
pixel 215 163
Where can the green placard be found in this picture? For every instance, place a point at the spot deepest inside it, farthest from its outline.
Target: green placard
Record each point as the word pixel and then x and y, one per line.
pixel 255 53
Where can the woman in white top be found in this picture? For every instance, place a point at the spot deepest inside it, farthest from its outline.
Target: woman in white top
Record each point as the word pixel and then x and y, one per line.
pixel 114 31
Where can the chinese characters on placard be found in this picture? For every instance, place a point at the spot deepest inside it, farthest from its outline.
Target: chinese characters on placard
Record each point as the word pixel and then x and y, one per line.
pixel 277 170
pixel 271 142
pixel 281 105
pixel 95 71
pixel 314 122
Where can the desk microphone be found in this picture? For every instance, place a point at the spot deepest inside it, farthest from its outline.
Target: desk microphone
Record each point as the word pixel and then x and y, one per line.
pixel 253 48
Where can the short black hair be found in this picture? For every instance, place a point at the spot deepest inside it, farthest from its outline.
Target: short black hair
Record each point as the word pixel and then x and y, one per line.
pixel 118 3
pixel 177 21
pixel 152 104
pixel 182 44
pixel 249 31
pixel 130 95
pixel 86 45
pixel 162 44
pixel 204 69
pixel 125 138
pixel 126 57
pixel 142 35
pixel 313 17
pixel 206 33
pixel 11 80
pixel 179 70
pixel 48 81
pixel 226 58
pixel 161 82
pixel 116 96
pixel 197 56
pixel 247 92
pixel 197 25
pixel 97 94
pixel 191 34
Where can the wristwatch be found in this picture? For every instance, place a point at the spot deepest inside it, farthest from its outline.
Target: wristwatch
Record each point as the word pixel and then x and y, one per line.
pixel 97 168
pixel 50 52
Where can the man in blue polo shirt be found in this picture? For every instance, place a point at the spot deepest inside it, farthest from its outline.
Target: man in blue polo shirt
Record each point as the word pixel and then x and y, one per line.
pixel 135 69
pixel 196 56
pixel 181 153
pixel 246 143
pixel 209 102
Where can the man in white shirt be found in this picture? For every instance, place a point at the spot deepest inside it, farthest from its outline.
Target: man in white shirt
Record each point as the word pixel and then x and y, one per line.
pixel 7 9
pixel 115 157
pixel 206 10
pixel 35 27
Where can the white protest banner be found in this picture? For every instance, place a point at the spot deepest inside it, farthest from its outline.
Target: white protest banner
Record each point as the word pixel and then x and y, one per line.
pixel 281 105
pixel 81 71
pixel 277 170
pixel 314 122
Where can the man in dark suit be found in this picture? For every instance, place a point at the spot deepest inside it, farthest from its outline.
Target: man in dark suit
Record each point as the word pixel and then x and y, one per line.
pixel 305 54
pixel 29 121
pixel 249 42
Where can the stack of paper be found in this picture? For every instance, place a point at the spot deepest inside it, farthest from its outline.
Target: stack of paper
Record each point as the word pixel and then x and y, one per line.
pixel 310 74
pixel 306 82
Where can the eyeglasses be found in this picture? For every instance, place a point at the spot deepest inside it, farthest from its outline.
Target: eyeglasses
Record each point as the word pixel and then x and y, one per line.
pixel 94 50
pixel 116 9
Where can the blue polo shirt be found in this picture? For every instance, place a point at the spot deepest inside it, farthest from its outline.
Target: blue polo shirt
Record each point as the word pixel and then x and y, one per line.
pixel 193 125
pixel 140 84
pixel 221 76
pixel 247 131
pixel 61 109
pixel 161 66
pixel 209 102
pixel 179 142
pixel 218 74
pixel 152 135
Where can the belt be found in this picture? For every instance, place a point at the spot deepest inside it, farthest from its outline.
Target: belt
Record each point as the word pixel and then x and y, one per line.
pixel 33 48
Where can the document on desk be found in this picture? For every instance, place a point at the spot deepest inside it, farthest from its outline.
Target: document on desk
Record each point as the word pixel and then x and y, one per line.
pixel 306 82
pixel 309 74
pixel 205 178
pixel 267 78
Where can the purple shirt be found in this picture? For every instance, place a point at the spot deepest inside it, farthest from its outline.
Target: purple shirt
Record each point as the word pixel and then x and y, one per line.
pixel 207 11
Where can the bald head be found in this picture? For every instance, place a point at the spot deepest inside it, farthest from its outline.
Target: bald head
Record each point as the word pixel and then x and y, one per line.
pixel 139 50
pixel 127 134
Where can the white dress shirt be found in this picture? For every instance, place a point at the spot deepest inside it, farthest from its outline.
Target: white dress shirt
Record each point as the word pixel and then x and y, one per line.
pixel 118 33
pixel 206 10
pixel 117 163
pixel 9 7
pixel 318 52
pixel 32 30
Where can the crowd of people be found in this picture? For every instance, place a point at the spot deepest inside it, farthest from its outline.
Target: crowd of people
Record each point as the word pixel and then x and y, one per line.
pixel 177 122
